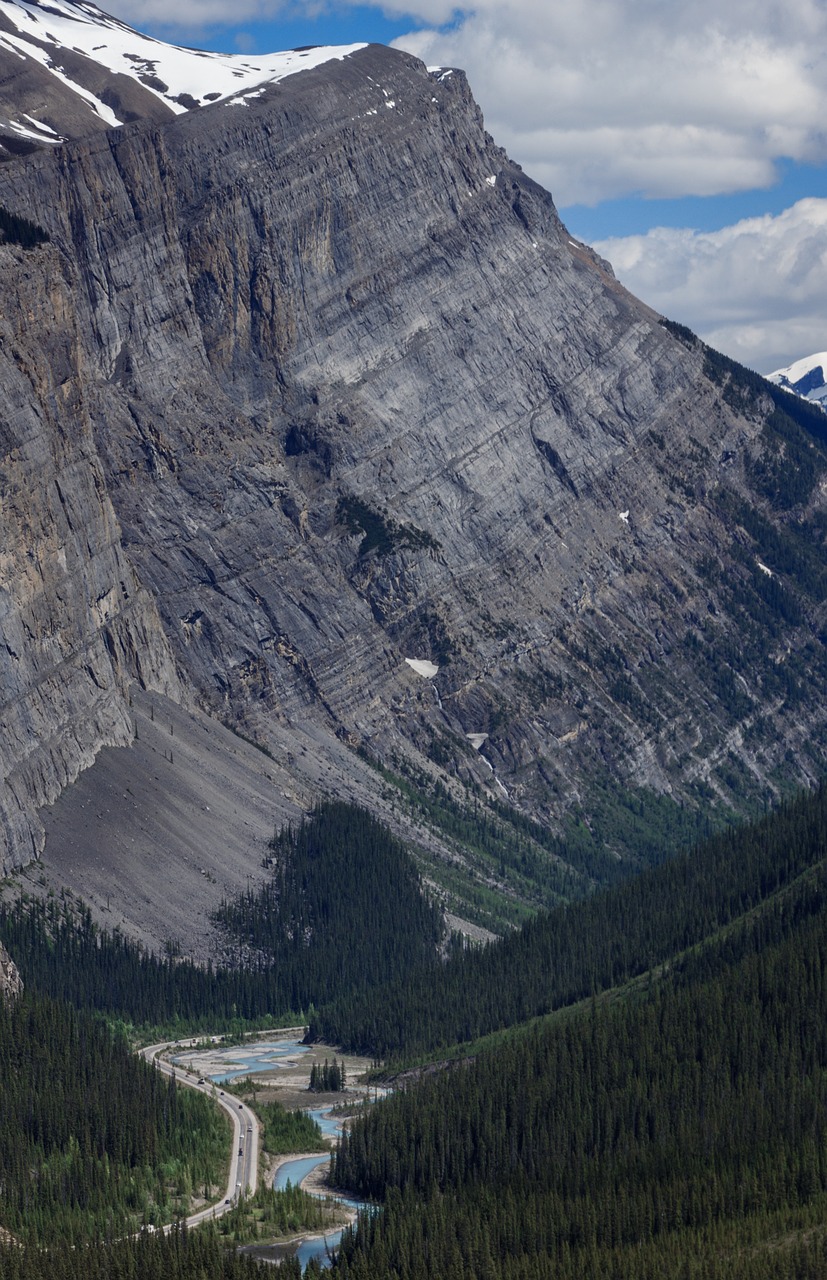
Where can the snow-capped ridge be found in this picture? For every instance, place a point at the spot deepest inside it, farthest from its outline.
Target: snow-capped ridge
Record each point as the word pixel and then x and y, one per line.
pixel 805 377
pixel 80 47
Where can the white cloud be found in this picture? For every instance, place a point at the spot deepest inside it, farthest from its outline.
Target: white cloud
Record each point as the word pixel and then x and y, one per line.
pixel 190 15
pixel 599 99
pixel 602 98
pixel 756 290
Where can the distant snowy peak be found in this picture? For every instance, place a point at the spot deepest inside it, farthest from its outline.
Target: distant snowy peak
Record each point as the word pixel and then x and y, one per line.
pixel 805 377
pixel 67 68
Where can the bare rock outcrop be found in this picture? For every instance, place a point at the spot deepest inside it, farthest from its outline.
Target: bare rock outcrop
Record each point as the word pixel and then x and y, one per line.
pixel 11 984
pixel 77 626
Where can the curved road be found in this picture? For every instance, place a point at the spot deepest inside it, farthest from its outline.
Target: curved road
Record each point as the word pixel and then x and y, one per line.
pixel 243 1173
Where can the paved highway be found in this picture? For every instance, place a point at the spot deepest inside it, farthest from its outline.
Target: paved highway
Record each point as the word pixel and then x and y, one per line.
pixel 243 1173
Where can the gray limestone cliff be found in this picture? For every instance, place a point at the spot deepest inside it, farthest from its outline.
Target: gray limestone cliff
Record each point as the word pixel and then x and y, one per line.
pixel 77 626
pixel 311 385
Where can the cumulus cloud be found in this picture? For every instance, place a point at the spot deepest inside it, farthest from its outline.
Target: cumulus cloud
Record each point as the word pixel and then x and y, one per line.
pixel 190 15
pixel 603 98
pixel 756 290
pixel 600 99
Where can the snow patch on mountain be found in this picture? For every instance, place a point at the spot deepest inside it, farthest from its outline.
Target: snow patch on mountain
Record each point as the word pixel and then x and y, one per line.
pixel 805 378
pixel 182 78
pixel 35 130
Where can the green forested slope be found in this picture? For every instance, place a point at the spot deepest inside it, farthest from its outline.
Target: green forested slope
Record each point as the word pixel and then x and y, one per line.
pixel 343 921
pixel 93 1141
pixel 678 1129
pixel 181 1255
pixel 344 911
pixel 679 1132
pixel 564 955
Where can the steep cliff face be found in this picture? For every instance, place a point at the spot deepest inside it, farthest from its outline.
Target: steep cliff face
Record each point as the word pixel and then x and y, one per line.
pixel 328 387
pixel 77 626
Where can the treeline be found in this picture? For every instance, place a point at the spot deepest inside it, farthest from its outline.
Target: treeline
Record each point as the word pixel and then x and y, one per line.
pixel 528 862
pixel 344 909
pixel 60 951
pixel 681 1131
pixel 565 955
pixel 180 1255
pixel 15 229
pixel 343 920
pixel 343 912
pixel 93 1141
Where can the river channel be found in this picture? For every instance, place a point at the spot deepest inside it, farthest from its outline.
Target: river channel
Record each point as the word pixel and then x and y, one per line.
pixel 295 1171
pixel 224 1064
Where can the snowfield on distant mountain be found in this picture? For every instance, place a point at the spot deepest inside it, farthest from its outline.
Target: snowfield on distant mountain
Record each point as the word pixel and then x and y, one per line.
pixel 805 378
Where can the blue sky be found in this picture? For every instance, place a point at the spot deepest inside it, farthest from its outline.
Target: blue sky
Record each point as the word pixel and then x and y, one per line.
pixel 635 214
pixel 687 142
pixel 286 32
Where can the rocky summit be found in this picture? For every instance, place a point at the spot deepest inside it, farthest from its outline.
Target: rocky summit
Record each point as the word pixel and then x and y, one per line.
pixel 318 428
pixel 805 378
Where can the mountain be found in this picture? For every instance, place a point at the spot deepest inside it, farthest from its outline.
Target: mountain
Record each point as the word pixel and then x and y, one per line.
pixel 328 451
pixel 68 70
pixel 805 377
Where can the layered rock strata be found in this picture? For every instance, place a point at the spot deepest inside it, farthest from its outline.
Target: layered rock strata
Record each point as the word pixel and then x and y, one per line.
pixel 314 384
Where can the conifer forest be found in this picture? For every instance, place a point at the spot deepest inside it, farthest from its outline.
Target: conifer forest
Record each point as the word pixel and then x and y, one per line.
pixel 634 1085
